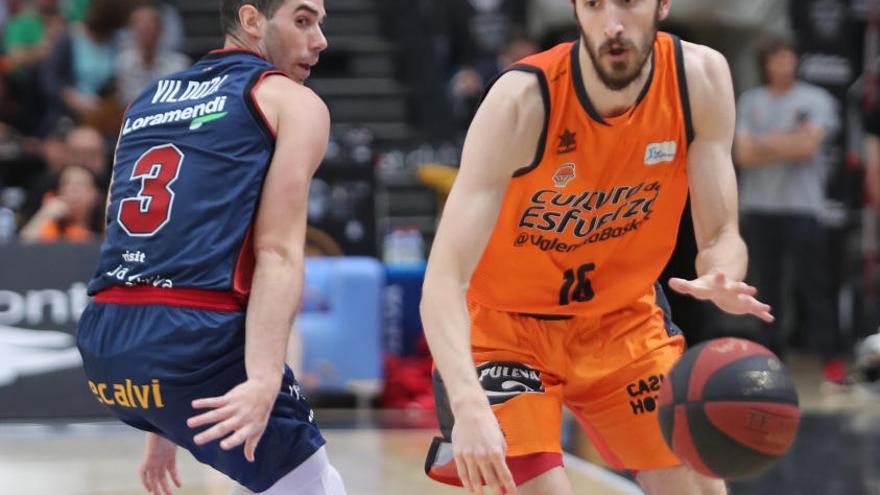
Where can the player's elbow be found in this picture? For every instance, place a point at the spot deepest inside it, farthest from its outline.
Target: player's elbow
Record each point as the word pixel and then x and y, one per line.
pixel 439 287
pixel 278 256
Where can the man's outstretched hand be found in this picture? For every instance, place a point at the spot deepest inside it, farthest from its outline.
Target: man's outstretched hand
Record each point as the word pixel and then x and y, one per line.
pixel 737 298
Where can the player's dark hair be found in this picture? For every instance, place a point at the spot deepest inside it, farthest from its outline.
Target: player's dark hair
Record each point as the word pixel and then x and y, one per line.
pixel 229 11
pixel 769 46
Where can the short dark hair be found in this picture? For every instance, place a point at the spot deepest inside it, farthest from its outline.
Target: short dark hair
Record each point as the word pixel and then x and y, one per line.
pixel 229 11
pixel 771 45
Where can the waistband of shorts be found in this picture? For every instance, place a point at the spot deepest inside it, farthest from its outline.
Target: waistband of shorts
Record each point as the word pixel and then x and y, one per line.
pixel 211 300
pixel 547 317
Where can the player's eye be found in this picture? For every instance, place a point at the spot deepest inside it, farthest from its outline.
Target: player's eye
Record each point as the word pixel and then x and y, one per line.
pixel 303 21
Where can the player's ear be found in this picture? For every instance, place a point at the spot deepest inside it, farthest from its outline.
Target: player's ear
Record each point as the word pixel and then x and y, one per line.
pixel 251 20
pixel 663 9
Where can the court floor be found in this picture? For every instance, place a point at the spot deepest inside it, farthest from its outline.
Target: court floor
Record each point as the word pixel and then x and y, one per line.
pixel 837 452
pixel 102 459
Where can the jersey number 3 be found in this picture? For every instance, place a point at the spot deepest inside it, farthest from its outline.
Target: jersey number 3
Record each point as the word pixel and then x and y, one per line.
pixel 576 285
pixel 149 211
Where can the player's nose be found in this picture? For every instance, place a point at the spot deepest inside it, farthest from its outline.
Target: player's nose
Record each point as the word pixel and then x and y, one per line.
pixel 613 25
pixel 319 42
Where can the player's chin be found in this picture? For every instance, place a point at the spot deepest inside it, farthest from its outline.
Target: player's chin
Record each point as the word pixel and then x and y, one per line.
pixel 301 72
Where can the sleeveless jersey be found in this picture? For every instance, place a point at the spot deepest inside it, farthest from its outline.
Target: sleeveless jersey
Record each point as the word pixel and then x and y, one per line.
pixel 189 167
pixel 588 227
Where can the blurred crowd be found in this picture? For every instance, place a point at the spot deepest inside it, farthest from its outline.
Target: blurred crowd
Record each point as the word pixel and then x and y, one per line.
pixel 482 37
pixel 68 69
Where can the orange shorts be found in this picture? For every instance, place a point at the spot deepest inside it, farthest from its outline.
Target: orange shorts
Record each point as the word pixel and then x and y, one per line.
pixel 607 370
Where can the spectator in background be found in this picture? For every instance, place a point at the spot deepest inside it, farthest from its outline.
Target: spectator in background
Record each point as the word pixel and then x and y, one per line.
pixel 9 8
pixel 468 84
pixel 78 76
pixel 551 22
pixel 782 126
pixel 54 156
pixel 478 29
pixel 171 38
pixel 28 39
pixel 63 147
pixel 86 147
pixel 21 163
pixel 76 10
pixel 30 34
pixel 73 215
pixel 144 60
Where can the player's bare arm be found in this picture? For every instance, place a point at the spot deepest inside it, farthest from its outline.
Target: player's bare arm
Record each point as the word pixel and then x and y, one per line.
pixel 302 123
pixel 502 138
pixel 722 258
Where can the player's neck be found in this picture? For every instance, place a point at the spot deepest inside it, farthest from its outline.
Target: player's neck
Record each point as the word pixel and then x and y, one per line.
pixel 607 102
pixel 233 42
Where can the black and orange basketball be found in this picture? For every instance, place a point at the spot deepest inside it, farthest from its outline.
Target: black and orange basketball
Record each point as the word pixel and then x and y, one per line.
pixel 729 408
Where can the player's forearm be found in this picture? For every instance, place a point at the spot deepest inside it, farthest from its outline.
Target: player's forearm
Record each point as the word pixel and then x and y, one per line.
pixel 725 253
pixel 447 329
pixel 276 290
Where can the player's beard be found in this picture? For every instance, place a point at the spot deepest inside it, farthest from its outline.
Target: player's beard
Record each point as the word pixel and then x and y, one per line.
pixel 622 74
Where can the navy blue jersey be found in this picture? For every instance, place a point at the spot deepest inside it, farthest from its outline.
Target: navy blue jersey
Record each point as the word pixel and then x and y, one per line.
pixel 190 164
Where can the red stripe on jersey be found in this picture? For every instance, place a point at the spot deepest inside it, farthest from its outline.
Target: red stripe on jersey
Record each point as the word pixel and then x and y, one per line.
pixel 211 300
pixel 243 275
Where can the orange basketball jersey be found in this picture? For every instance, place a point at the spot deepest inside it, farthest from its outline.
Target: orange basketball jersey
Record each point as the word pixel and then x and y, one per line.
pixel 589 225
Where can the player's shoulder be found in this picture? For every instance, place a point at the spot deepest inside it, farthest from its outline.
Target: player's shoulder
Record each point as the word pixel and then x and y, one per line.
pixel 707 73
pixel 517 91
pixel 281 91
pixel 704 65
pixel 278 95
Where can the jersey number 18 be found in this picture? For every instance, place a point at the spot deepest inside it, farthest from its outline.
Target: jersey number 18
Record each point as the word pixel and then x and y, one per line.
pixel 576 286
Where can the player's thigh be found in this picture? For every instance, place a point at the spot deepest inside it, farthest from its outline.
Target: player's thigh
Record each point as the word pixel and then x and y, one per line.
pixel 149 363
pixel 554 481
pixel 618 405
pixel 518 379
pixel 530 421
pixel 291 436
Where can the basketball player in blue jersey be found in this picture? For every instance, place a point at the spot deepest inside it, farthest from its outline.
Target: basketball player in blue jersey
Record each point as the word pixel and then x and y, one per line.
pixel 202 267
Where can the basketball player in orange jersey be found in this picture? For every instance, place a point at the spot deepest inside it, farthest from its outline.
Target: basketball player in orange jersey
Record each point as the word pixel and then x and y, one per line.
pixel 573 178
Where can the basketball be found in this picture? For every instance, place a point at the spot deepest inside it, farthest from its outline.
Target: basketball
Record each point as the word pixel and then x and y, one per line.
pixel 729 408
